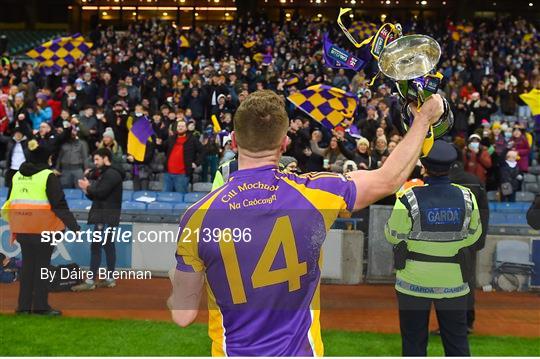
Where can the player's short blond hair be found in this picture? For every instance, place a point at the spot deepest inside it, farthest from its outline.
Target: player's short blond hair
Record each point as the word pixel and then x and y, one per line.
pixel 261 122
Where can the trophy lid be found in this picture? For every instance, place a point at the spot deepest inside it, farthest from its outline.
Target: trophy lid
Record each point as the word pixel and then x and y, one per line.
pixel 409 57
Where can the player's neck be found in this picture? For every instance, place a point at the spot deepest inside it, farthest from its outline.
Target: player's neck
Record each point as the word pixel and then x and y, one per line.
pixel 247 160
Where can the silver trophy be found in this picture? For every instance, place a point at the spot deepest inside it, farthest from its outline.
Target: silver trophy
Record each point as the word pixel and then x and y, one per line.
pixel 409 61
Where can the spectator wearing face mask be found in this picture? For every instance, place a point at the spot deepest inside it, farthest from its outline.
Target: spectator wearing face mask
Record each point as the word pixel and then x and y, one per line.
pixel 476 158
pixel 71 103
pixel 511 177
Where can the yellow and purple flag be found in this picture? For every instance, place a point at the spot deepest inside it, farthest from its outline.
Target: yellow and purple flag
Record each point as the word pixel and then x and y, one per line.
pixel 138 137
pixel 265 59
pixel 363 29
pixel 53 55
pixel 325 104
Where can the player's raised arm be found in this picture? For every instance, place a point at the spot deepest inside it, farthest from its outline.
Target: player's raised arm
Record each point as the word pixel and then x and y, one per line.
pixel 371 186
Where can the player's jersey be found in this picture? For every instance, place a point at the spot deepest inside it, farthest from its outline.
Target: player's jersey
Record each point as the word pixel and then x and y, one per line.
pixel 258 239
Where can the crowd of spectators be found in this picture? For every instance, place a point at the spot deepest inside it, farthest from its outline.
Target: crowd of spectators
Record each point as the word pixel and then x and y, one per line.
pixel 142 74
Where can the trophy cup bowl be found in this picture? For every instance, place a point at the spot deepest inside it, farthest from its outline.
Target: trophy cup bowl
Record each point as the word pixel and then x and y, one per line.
pixel 408 61
pixel 409 57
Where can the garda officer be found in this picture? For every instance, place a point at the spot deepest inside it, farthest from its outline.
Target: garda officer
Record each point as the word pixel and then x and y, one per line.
pixel 431 228
pixel 224 172
pixel 36 203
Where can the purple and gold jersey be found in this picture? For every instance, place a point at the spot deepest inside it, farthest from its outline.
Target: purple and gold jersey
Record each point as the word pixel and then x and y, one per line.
pixel 258 239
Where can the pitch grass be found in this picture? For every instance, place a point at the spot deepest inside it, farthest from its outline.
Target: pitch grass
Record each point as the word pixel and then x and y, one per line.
pixel 43 336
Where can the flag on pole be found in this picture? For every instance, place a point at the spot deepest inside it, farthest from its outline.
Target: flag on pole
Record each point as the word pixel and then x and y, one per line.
pixel 325 104
pixel 53 55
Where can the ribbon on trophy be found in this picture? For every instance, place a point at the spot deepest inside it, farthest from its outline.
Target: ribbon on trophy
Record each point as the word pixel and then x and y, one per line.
pixel 336 57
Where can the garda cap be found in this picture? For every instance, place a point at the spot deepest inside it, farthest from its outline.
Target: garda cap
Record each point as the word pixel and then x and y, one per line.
pixel 441 157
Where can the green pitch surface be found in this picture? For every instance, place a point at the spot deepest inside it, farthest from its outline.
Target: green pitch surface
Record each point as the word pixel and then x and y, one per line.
pixel 41 336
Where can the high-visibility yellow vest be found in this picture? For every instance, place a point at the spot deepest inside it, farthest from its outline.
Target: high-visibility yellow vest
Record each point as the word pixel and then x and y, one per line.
pixel 27 209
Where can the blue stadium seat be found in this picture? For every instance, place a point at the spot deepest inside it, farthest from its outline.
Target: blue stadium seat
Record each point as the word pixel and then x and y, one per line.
pixel 127 195
pixel 516 219
pixel 138 194
pixel 3 191
pixel 73 193
pixel 193 197
pixel 509 207
pixel 492 206
pixel 497 218
pixel 160 207
pixel 174 197
pixel 133 206
pixel 181 206
pixel 79 204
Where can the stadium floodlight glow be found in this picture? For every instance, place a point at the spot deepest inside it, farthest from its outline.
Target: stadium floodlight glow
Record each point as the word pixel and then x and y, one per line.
pixel 134 13
pixel 226 14
pixel 383 17
pixel 104 13
pixel 319 15
pixel 287 15
pixel 283 1
pixel 165 14
pixel 423 2
pixel 531 4
pixel 444 2
pixel 318 1
pixel 388 2
pixel 351 15
pixel 353 2
pixel 216 1
pixel 196 14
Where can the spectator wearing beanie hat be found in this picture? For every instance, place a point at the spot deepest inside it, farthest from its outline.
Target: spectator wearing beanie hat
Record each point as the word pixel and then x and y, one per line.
pixel 361 155
pixel 108 141
pixel 288 164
